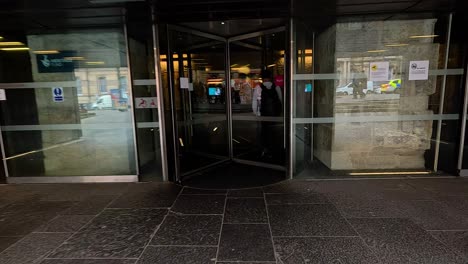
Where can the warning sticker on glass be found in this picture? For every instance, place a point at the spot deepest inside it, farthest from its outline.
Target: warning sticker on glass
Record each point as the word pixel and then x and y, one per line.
pixel 418 70
pixel 378 71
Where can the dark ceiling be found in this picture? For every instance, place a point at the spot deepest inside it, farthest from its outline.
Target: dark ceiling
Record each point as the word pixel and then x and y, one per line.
pixel 56 14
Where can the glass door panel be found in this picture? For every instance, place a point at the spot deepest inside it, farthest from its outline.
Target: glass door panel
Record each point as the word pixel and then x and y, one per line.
pixel 198 86
pixel 258 113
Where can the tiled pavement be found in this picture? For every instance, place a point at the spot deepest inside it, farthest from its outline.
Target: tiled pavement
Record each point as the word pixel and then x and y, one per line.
pixel 334 221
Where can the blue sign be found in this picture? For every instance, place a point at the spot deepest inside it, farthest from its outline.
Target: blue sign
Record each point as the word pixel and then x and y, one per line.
pixel 60 62
pixel 57 94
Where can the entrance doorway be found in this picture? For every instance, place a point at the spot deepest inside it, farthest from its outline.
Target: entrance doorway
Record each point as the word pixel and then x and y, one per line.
pixel 216 89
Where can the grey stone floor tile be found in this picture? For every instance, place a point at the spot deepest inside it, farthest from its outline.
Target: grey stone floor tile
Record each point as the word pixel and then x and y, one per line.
pixel 188 190
pixel 370 189
pixel 371 208
pixel 296 198
pixel 32 248
pixel 178 255
pixel 246 242
pixel 199 204
pixel 88 245
pixel 148 196
pixel 458 203
pixel 126 220
pixel 452 186
pixel 251 192
pixel 246 262
pixel 65 223
pixel 5 242
pixel 433 215
pixel 456 240
pixel 23 218
pixel 189 230
pixel 245 210
pixel 291 187
pixel 322 250
pixel 82 191
pixel 89 261
pixel 308 220
pixel 397 240
pixel 93 205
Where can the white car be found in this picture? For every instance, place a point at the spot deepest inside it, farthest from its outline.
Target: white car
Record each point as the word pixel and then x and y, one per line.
pixel 347 89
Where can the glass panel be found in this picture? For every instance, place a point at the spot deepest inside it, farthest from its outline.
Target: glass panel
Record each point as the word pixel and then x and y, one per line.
pixel 68 116
pixel 201 103
pixel 350 121
pixel 257 113
pixel 141 53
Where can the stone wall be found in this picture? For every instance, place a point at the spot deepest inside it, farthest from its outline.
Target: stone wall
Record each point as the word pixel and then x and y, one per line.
pixel 325 45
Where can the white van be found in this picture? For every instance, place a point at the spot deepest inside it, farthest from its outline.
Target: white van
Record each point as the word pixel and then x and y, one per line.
pixel 103 102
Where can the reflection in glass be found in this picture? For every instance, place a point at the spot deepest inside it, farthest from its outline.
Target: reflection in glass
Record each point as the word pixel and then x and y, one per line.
pixel 89 132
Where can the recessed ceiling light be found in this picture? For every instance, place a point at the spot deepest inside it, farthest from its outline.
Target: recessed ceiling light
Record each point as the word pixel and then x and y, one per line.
pixel 46 51
pixel 376 51
pixel 11 43
pixel 14 49
pixel 222 23
pixel 95 62
pixel 397 45
pixel 424 36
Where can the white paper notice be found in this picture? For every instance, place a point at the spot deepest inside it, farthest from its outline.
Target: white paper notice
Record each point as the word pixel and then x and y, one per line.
pixel 184 83
pixel 378 71
pixel 2 95
pixel 418 70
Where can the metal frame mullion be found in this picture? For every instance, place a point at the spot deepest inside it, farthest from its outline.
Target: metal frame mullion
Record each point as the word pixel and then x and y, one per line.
pixel 159 93
pixel 442 96
pixel 175 131
pixel 130 90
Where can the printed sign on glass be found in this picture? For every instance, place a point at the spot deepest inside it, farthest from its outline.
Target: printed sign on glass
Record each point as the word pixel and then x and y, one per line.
pixel 146 102
pixel 418 70
pixel 378 71
pixel 60 62
pixel 57 94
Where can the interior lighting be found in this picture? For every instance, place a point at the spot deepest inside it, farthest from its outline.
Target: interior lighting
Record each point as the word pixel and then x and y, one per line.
pixel 1 37
pixel 271 65
pixel 214 129
pixel 397 45
pixel 423 36
pixel 308 51
pixel 95 62
pixel 376 51
pixel 11 43
pixel 74 58
pixel 222 22
pixel 46 51
pixel 181 142
pixel 389 173
pixel 14 49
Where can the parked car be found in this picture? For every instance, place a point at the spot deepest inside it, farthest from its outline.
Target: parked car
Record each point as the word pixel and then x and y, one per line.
pixel 393 86
pixel 348 89
pixel 103 102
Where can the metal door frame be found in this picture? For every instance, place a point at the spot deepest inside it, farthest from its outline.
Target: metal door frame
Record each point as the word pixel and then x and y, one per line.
pixel 227 41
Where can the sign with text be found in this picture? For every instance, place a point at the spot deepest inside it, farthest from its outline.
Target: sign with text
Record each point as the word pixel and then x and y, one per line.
pixel 378 71
pixel 418 70
pixel 146 102
pixel 57 94
pixel 60 62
